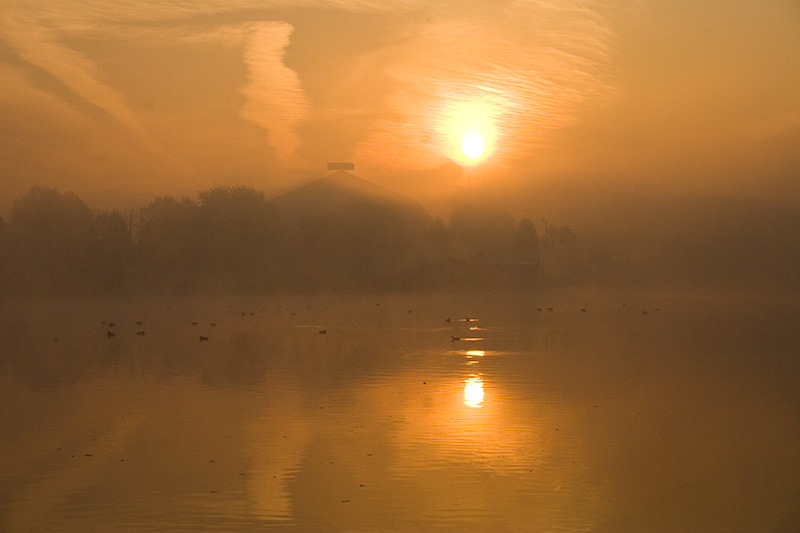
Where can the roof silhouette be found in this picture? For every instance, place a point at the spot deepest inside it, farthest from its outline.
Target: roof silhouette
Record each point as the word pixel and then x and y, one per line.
pixel 340 191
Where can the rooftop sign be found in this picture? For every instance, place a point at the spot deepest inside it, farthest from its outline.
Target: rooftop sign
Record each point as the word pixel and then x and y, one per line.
pixel 341 166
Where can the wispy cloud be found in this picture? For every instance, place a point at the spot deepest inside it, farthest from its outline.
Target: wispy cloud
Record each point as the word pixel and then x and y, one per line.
pixel 41 46
pixel 524 65
pixel 274 96
pixel 275 100
pixel 525 69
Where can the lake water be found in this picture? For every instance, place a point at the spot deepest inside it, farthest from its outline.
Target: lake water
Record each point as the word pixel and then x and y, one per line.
pixel 657 412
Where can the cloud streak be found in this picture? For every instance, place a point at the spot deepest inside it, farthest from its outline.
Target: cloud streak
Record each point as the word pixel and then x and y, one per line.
pixel 41 46
pixel 526 64
pixel 526 69
pixel 275 99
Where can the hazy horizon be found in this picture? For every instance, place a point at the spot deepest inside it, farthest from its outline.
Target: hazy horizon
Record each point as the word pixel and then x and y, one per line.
pixel 585 110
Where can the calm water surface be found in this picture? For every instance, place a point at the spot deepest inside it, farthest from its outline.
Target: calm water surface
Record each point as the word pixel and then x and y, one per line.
pixel 667 412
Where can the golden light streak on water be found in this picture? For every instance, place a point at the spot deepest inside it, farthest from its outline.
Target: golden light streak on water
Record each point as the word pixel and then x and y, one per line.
pixel 473 391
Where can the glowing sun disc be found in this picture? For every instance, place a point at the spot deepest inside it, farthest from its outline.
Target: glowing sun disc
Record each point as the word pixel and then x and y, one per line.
pixel 472 144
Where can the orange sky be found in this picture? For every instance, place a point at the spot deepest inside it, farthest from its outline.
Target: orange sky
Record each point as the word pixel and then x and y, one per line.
pixel 132 98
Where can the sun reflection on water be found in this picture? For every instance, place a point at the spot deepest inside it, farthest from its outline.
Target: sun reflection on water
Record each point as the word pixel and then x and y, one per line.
pixel 473 391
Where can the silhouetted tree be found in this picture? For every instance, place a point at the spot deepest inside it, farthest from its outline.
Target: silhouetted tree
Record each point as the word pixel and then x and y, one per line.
pixel 439 240
pixel 236 236
pixel 114 256
pixel 482 234
pixel 559 236
pixel 168 244
pixel 53 237
pixel 526 242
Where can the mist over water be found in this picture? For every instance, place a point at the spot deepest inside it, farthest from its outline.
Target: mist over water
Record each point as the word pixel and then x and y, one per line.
pixel 612 411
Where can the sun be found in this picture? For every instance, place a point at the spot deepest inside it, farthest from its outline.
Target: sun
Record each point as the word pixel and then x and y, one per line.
pixel 473 144
pixel 467 131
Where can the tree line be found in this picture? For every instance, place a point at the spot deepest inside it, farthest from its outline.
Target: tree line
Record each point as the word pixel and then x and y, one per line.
pixel 233 239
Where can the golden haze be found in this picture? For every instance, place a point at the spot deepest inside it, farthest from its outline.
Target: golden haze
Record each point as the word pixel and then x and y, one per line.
pixel 119 101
